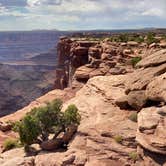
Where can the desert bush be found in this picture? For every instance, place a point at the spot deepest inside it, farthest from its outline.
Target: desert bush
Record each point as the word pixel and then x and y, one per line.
pixel 38 124
pixel 133 117
pixel 123 38
pixel 71 115
pixel 118 139
pixel 27 129
pixel 151 38
pixel 135 60
pixel 10 143
pixel 133 156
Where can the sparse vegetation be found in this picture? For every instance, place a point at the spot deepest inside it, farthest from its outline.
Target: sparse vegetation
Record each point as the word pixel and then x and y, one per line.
pixel 37 125
pixel 133 156
pixel 11 143
pixel 151 38
pixel 135 60
pixel 118 139
pixel 133 117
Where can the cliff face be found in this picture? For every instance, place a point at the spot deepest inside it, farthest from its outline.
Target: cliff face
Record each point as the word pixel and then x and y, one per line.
pixel 113 94
pixel 21 84
pixel 81 59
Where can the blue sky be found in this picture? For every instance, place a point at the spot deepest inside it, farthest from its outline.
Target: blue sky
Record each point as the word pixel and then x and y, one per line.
pixel 81 14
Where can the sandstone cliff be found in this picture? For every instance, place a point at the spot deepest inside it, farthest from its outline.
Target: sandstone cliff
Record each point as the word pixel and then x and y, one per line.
pixel 112 93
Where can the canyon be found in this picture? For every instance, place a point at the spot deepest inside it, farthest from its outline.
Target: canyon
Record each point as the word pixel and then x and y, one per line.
pixel 27 67
pixel 110 90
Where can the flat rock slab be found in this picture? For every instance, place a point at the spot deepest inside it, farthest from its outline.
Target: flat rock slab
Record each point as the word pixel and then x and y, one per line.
pixel 151 133
pixel 156 90
pixel 154 59
pixel 142 77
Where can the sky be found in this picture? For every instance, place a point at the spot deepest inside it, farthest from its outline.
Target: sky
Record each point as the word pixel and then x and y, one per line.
pixel 81 14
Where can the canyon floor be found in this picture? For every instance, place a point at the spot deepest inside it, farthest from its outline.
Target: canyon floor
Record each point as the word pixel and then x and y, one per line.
pixel 109 93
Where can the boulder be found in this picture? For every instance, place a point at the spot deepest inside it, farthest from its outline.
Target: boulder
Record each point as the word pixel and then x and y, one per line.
pixel 122 102
pixel 156 90
pixel 117 71
pixel 71 130
pixel 151 133
pixel 136 99
pixel 82 73
pixel 154 59
pixel 96 72
pixel 51 144
pixel 140 78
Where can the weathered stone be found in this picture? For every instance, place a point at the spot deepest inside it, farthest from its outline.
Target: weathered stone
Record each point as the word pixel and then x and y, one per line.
pixel 156 90
pixel 96 72
pixel 151 133
pixel 52 144
pixel 136 99
pixel 122 102
pixel 69 133
pixel 154 59
pixel 82 73
pixel 19 161
pixel 117 71
pixel 68 160
pixel 139 79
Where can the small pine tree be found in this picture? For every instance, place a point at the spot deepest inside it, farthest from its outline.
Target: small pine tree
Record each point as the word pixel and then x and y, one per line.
pixel 37 125
pixel 28 130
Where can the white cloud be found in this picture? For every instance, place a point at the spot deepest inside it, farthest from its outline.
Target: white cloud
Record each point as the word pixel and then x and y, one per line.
pixel 66 14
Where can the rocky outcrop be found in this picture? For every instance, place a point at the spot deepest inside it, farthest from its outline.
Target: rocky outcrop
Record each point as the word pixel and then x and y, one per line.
pixel 151 133
pixel 155 59
pixel 80 59
pixel 156 90
pixel 101 123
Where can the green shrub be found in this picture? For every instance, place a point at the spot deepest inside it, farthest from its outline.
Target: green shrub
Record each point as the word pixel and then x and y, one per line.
pixel 71 115
pixel 135 60
pixel 133 156
pixel 38 124
pixel 123 38
pixel 10 143
pixel 28 129
pixel 118 139
pixel 151 38
pixel 133 117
